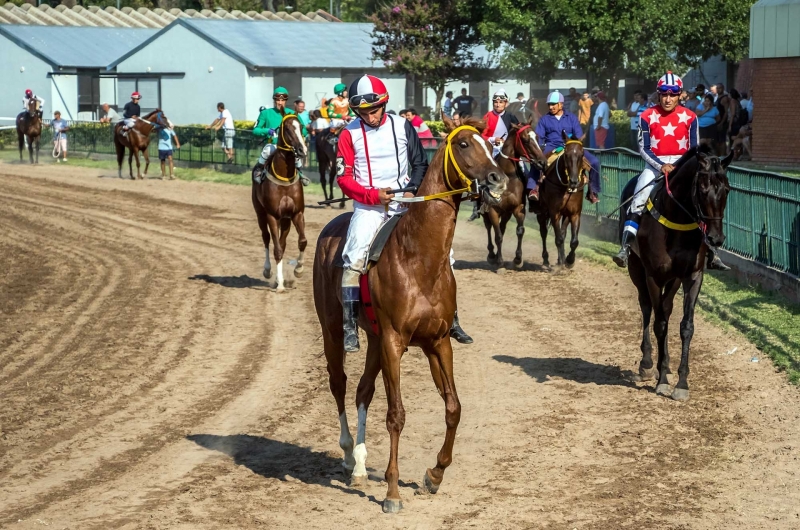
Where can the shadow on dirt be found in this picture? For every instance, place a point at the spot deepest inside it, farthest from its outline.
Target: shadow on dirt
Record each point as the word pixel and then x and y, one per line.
pixel 462 265
pixel 276 459
pixel 571 369
pixel 237 282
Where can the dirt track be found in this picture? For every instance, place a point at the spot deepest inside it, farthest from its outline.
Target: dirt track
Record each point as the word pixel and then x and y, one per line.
pixel 149 379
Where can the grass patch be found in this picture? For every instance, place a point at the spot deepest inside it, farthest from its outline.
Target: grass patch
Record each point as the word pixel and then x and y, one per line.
pixel 769 322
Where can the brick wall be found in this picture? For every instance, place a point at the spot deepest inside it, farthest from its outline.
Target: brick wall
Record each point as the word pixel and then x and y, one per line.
pixel 776 119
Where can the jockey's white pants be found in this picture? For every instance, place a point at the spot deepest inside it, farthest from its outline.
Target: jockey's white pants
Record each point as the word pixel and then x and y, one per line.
pixel 337 122
pixel 648 175
pixel 364 225
pixel 129 122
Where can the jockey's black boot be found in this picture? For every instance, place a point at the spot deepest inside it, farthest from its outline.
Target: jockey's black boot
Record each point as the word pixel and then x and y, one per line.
pixel 713 261
pixel 350 301
pixel 475 213
pixel 628 237
pixel 258 173
pixel 459 334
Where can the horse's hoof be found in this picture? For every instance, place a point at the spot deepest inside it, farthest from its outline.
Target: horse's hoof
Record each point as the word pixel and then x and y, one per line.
pixel 427 483
pixel 680 394
pixel 392 505
pixel 501 270
pixel 358 481
pixel 569 264
pixel 663 390
pixel 298 271
pixel 267 273
pixel 518 263
pixel 645 375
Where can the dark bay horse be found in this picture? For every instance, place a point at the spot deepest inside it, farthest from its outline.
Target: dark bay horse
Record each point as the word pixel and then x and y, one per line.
pixel 278 199
pixel 561 200
pixel 666 258
pixel 29 126
pixel 325 143
pixel 414 297
pixel 520 146
pixel 137 140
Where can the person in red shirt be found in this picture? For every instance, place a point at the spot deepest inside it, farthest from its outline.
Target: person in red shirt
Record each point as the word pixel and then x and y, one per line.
pixel 666 132
pixel 377 152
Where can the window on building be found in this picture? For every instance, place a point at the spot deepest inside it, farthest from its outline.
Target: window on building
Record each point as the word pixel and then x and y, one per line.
pixel 88 93
pixel 148 87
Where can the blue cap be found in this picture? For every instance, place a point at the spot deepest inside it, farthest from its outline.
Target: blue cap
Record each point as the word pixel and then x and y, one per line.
pixel 555 97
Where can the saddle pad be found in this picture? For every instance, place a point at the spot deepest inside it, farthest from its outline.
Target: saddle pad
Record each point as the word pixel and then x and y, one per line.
pixel 366 301
pixel 379 241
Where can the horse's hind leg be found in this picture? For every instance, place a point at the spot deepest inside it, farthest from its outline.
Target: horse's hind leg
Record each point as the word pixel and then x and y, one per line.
pixel 299 222
pixel 333 344
pixel 519 215
pixel 21 139
pixel 440 358
pixel 36 141
pixel 639 278
pixel 261 215
pixel 691 290
pixel 146 161
pixel 542 218
pixel 364 394
pixel 130 162
pixel 575 226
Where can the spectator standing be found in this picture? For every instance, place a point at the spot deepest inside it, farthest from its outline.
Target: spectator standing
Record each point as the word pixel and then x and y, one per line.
pixel 723 103
pixel 635 110
pixel 574 101
pixel 585 112
pixel 484 102
pixel 60 129
pixel 165 137
pixel 464 104
pixel 423 131
pixel 447 106
pixel 684 98
pixel 601 121
pixel 303 116
pixel 707 118
pixel 110 115
pixel 737 115
pixel 456 121
pixel 224 120
pixel 747 105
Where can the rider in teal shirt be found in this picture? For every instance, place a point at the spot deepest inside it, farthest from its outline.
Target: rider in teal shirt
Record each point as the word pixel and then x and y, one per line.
pixel 267 125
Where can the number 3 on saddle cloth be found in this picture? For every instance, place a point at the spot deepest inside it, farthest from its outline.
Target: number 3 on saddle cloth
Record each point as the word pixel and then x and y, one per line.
pixel 373 255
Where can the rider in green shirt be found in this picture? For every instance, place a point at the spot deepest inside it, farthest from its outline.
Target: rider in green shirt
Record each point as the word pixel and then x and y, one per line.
pixel 267 125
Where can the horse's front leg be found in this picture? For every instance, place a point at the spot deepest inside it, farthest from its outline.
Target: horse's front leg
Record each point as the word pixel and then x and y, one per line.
pixel 299 222
pixel 37 148
pixel 542 218
pixel 392 348
pixel 280 251
pixel 491 256
pixel 560 236
pixel 30 149
pixel 662 301
pixel 440 358
pixel 691 290
pixel 130 162
pixel 575 226
pixel 277 252
pixel 519 215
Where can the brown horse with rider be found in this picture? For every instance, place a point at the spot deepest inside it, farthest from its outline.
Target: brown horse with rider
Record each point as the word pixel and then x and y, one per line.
pixel 278 198
pixel 136 140
pixel 29 127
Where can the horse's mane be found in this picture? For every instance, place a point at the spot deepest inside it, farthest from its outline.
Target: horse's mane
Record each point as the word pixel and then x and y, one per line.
pixel 151 114
pixel 690 155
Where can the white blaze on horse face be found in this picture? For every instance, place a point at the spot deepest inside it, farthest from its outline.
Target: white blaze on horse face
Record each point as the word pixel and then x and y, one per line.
pixel 482 142
pixel 296 126
pixel 346 443
pixel 532 136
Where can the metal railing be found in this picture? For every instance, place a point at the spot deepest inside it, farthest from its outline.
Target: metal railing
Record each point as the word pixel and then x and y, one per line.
pixel 762 217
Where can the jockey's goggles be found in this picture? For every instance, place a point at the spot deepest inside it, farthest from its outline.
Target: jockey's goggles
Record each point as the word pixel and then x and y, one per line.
pixel 499 98
pixel 366 100
pixel 672 90
pixel 280 97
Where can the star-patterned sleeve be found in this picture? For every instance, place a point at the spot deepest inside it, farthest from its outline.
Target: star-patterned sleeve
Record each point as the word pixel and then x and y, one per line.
pixel 646 144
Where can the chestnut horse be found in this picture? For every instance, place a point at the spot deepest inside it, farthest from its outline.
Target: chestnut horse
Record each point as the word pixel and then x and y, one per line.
pixel 137 140
pixel 561 200
pixel 521 146
pixel 29 126
pixel 325 142
pixel 670 251
pixel 278 198
pixel 414 297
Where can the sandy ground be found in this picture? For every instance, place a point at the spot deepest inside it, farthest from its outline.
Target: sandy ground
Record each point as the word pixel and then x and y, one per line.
pixel 150 379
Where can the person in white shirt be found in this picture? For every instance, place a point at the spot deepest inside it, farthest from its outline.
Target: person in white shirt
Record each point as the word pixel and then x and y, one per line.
pixel 111 115
pixel 600 124
pixel 225 121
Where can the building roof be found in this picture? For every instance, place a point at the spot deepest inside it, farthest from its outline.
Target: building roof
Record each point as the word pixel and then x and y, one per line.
pixel 127 17
pixel 775 29
pixel 76 47
pixel 281 44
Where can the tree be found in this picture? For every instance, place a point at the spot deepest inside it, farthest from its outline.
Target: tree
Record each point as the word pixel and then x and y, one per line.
pixel 611 38
pixel 435 41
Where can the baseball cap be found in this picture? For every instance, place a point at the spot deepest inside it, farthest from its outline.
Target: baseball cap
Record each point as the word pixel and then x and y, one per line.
pixel 555 97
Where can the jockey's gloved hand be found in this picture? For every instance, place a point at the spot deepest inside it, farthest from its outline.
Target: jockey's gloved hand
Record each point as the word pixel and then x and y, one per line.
pixel 271 132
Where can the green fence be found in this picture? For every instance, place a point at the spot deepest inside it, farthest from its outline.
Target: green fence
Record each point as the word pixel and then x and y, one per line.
pixel 762 218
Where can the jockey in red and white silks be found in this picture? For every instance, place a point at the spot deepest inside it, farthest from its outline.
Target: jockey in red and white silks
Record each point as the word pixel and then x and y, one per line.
pixel 376 152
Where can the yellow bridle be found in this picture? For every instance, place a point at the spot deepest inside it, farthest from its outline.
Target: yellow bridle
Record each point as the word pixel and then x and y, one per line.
pixel 450 157
pixel 281 140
